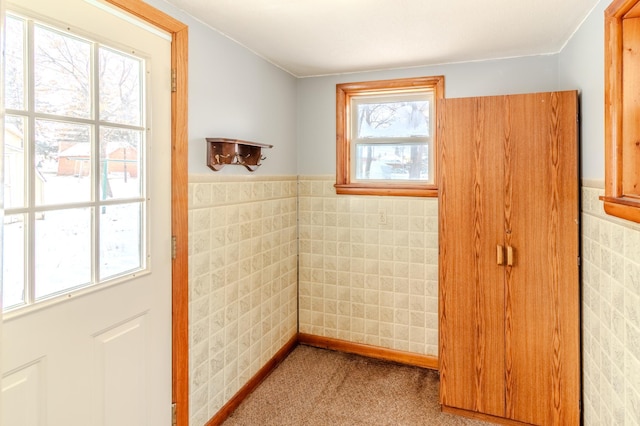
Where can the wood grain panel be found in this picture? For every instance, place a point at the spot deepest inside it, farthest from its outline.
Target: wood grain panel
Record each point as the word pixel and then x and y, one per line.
pixel 542 295
pixel 471 281
pixel 634 12
pixel 509 335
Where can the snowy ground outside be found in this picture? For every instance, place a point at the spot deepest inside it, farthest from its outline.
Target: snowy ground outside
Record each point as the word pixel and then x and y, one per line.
pixel 63 254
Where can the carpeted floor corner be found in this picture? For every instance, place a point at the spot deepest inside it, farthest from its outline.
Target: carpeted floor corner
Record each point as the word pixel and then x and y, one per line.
pixel 320 387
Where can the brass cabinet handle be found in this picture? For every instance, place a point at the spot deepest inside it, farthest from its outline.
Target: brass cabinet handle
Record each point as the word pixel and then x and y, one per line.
pixel 500 255
pixel 509 256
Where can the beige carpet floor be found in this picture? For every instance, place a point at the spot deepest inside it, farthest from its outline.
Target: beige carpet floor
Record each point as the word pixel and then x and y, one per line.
pixel 320 387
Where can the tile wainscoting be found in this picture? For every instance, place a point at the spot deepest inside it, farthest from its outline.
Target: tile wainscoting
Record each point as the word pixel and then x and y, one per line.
pixel 369 279
pixel 366 278
pixel 610 314
pixel 242 282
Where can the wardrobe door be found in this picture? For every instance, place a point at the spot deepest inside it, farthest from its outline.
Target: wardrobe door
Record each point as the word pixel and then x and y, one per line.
pixel 542 343
pixel 470 153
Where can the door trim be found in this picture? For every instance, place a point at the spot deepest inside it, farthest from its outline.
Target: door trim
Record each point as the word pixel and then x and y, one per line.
pixel 179 210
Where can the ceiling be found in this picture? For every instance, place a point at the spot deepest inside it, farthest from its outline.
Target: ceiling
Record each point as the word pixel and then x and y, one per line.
pixel 320 37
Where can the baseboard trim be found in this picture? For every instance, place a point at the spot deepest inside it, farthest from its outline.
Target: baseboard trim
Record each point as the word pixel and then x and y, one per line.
pixel 480 416
pixel 376 352
pixel 401 357
pixel 253 383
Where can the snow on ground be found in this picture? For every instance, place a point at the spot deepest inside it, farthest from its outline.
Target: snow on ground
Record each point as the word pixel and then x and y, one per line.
pixel 63 252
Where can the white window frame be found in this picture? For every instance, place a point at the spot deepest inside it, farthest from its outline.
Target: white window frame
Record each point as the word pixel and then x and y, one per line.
pixel 30 210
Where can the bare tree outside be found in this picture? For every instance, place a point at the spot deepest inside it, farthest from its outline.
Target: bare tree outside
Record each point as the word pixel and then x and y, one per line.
pixel 14 87
pixel 62 81
pixel 385 131
pixel 81 137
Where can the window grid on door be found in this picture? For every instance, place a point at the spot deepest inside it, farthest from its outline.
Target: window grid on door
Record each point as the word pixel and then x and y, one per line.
pixel 75 163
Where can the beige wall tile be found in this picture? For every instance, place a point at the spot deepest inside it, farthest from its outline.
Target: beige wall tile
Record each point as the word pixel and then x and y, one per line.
pixel 243 284
pixel 379 270
pixel 367 282
pixel 610 315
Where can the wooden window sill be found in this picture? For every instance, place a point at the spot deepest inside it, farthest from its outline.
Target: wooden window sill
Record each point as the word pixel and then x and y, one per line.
pixel 387 190
pixel 622 207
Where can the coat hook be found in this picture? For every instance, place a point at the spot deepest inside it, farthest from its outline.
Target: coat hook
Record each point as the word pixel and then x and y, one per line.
pixel 240 152
pixel 219 156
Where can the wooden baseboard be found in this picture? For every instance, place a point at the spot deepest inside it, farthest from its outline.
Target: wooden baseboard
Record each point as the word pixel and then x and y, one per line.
pixel 253 383
pixel 393 355
pixel 401 357
pixel 480 416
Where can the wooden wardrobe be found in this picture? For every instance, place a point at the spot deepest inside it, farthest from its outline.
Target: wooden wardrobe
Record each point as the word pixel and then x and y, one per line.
pixel 509 312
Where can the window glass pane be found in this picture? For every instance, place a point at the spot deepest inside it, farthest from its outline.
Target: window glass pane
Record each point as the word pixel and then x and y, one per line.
pixel 61 74
pixel 120 239
pixel 62 251
pixel 13 261
pixel 14 63
pixel 120 91
pixel 56 157
pixel 120 163
pixel 392 161
pixel 393 119
pixel 63 162
pixel 14 160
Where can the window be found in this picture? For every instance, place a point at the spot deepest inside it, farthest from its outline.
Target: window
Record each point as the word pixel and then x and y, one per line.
pixel 385 135
pixel 74 158
pixel 622 128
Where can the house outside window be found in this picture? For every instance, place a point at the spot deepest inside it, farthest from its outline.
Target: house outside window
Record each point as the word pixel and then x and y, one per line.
pixel 74 163
pixel 386 136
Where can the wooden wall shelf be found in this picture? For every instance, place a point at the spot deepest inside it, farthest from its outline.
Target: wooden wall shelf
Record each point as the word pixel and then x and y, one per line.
pixel 222 151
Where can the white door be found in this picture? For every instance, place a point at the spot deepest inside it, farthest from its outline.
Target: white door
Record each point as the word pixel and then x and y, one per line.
pixel 89 342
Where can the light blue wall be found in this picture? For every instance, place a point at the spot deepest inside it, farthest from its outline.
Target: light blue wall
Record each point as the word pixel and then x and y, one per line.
pixel 610 253
pixel 581 65
pixel 317 109
pixel 235 94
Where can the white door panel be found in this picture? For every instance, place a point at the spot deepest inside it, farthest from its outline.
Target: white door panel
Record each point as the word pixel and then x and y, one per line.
pixel 103 357
pixel 23 388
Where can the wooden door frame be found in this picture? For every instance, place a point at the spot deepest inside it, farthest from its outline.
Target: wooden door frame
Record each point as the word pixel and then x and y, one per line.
pixel 179 209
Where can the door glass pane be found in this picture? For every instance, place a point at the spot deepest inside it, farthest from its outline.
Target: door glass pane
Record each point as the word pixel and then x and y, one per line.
pixel 120 239
pixel 120 91
pixel 63 162
pixel 392 161
pixel 62 250
pixel 14 160
pixel 13 261
pixel 61 74
pixel 14 63
pixel 393 119
pixel 120 163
